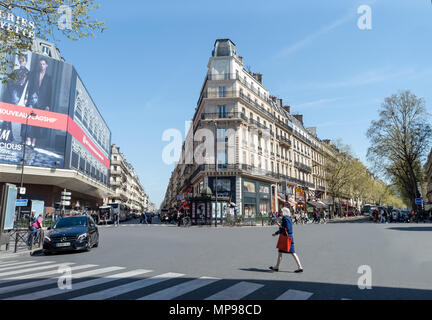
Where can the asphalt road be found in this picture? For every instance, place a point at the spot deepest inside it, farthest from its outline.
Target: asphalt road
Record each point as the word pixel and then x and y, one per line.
pixel 167 262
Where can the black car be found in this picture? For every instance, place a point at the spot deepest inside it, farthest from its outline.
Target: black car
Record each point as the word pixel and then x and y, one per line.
pixel 71 233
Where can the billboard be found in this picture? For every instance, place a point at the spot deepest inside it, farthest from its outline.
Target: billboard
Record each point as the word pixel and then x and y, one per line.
pixel 42 85
pixel 90 151
pixel 67 130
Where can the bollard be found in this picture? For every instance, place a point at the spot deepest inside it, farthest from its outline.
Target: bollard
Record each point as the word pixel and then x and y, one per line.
pixel 16 242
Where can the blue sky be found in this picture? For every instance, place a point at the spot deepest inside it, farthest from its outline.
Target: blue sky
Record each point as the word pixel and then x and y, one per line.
pixel 146 71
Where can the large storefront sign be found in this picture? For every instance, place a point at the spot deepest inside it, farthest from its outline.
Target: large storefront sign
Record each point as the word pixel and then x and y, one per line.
pixel 44 87
pixel 10 114
pixel 16 24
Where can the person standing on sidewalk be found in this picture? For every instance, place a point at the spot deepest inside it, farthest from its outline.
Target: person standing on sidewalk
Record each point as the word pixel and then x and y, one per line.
pixel 31 228
pixel 286 228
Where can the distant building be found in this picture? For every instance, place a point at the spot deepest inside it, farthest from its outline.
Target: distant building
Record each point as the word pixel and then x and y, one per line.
pixel 125 183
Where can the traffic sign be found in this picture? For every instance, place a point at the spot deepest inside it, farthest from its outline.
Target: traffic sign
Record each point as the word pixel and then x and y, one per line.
pixel 64 198
pixel 64 193
pixel 419 201
pixel 65 203
pixel 22 190
pixel 21 202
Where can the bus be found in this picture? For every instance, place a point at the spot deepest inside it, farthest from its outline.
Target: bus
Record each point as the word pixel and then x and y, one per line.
pixel 121 209
pixel 107 213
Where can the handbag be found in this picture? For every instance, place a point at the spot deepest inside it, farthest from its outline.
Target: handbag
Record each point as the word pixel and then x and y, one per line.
pixel 284 242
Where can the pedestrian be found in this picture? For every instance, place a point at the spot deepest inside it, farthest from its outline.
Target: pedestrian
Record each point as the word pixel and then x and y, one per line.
pixel 286 232
pixel 322 216
pixel 31 228
pixel 116 219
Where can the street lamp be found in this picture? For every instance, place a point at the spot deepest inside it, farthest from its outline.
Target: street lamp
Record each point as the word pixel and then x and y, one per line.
pixel 31 114
pixel 216 166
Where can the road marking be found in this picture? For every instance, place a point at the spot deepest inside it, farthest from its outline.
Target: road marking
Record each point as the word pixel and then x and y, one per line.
pixel 3 274
pixel 33 264
pixel 4 265
pixel 21 265
pixel 47 273
pixel 128 287
pixel 7 262
pixel 236 292
pixel 180 289
pixel 38 283
pixel 295 295
pixel 81 285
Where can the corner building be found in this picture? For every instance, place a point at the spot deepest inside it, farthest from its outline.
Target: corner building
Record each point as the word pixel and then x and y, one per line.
pixel 273 158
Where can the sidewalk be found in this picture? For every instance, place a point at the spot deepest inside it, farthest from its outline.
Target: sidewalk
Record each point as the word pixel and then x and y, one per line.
pixel 358 219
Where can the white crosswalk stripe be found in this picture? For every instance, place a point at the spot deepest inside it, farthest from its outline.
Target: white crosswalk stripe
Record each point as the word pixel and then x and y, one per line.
pixel 45 273
pixel 109 293
pixel 30 280
pixel 236 292
pixel 295 295
pixel 34 269
pixel 81 285
pixel 7 262
pixel 180 289
pixel 38 283
pixel 11 267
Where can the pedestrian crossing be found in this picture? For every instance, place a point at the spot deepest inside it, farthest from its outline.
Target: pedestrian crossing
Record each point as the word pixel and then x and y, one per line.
pixel 30 280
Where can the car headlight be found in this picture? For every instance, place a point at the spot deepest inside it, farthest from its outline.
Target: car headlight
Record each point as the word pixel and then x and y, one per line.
pixel 48 239
pixel 82 237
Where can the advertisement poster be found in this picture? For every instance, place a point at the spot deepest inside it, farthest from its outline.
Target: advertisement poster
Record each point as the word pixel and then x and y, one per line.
pixel 41 86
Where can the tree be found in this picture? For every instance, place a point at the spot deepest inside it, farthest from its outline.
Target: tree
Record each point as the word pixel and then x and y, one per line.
pixel 338 169
pixel 43 19
pixel 399 142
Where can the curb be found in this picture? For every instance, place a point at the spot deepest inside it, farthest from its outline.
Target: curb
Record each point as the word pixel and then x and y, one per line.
pixel 26 253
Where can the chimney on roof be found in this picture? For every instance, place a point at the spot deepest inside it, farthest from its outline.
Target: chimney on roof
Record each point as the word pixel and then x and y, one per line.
pixel 326 141
pixel 313 131
pixel 287 108
pixel 299 117
pixel 258 77
pixel 280 101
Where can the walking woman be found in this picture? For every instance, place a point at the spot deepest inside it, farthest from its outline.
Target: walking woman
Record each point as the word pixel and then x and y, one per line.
pixel 286 229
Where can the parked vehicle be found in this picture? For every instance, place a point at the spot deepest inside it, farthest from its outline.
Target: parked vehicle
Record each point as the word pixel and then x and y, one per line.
pixel 368 209
pixel 71 233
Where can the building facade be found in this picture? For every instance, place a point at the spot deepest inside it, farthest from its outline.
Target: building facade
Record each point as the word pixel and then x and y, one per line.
pixel 265 155
pixel 65 138
pixel 125 183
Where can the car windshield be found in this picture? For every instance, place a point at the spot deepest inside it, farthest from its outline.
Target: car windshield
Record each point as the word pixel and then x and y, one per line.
pixel 71 222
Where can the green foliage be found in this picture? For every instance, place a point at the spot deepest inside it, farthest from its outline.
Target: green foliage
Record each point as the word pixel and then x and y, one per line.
pixel 45 15
pixel 400 139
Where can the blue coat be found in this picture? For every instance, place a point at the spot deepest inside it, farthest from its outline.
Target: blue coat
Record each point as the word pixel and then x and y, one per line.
pixel 288 226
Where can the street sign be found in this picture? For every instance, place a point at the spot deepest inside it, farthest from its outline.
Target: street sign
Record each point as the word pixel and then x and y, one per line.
pixel 65 203
pixel 64 198
pixel 21 202
pixel 66 193
pixel 419 201
pixel 22 190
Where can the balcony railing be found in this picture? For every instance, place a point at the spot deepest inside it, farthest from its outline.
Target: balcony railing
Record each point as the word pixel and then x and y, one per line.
pixel 224 76
pixel 302 166
pixel 221 115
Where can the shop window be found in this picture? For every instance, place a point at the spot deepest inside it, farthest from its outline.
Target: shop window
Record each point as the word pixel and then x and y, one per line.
pixel 249 187
pixel 264 189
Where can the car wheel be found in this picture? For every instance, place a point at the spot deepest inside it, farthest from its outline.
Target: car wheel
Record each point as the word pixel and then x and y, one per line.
pixel 47 253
